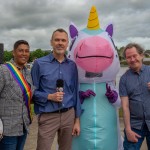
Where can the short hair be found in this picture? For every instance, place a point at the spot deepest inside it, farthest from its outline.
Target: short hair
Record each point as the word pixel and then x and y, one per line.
pixel 59 30
pixel 19 42
pixel 138 47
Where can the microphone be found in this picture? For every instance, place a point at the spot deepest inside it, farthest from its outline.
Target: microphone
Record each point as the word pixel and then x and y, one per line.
pixel 59 85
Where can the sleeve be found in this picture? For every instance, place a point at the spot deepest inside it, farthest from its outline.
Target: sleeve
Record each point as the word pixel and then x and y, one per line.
pixel 122 86
pixel 77 100
pixel 39 97
pixel 2 84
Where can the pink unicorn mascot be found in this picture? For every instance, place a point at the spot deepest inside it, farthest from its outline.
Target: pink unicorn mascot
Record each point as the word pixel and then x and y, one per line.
pixel 97 60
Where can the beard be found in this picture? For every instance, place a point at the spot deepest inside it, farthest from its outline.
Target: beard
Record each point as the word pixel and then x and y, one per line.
pixel 60 51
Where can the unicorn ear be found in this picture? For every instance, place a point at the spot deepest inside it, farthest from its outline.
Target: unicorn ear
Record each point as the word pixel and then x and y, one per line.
pixel 73 31
pixel 109 29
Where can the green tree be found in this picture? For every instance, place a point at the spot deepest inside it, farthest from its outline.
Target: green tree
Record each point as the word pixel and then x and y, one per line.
pixel 38 53
pixel 7 55
pixel 120 52
pixel 47 52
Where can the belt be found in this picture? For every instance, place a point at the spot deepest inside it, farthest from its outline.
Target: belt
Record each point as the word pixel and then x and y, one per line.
pixel 62 110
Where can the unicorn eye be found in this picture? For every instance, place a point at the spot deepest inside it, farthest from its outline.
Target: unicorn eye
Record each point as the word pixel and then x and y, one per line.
pixel 71 45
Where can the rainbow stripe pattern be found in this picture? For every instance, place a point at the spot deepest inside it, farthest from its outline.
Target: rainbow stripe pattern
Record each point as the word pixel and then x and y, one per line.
pixel 24 86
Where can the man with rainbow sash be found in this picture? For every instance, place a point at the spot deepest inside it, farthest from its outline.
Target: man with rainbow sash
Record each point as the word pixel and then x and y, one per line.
pixel 15 96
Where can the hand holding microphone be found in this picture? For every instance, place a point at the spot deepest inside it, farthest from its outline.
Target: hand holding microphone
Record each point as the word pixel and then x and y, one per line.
pixel 59 89
pixel 58 95
pixel 59 85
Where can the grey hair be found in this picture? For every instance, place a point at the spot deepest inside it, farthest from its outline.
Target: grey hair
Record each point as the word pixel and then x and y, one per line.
pixel 59 30
pixel 138 47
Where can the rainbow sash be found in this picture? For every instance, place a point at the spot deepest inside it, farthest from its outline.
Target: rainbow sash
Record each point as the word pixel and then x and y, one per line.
pixel 24 86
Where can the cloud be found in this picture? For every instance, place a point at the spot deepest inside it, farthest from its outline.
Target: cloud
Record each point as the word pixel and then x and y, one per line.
pixel 35 20
pixel 144 41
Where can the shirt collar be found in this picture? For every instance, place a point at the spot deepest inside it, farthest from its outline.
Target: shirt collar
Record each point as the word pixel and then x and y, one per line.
pixel 141 70
pixel 14 63
pixel 143 67
pixel 52 58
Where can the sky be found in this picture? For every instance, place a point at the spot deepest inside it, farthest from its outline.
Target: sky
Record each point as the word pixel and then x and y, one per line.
pixel 35 20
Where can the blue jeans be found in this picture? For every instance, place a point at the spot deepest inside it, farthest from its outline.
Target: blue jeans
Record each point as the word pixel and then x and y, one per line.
pixel 13 142
pixel 144 132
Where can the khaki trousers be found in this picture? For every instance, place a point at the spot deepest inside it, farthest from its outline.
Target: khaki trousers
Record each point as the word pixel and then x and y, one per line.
pixel 51 123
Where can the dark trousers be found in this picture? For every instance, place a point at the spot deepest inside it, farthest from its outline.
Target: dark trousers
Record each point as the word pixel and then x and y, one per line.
pixel 13 142
pixel 51 123
pixel 144 132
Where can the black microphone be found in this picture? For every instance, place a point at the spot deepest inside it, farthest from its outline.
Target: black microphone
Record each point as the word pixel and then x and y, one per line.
pixel 59 85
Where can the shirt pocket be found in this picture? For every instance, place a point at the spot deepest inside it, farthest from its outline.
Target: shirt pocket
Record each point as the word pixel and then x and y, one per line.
pixel 136 109
pixel 70 85
pixel 49 80
pixel 135 93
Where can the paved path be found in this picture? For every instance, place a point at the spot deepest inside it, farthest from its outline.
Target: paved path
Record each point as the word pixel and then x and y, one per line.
pixel 32 138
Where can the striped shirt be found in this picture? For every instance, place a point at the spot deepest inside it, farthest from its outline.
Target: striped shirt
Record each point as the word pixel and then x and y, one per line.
pixel 134 85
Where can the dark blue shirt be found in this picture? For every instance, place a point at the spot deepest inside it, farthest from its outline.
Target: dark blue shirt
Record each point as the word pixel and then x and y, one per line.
pixel 134 86
pixel 45 72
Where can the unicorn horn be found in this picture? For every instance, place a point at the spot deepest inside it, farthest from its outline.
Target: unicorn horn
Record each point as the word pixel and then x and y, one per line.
pixel 93 22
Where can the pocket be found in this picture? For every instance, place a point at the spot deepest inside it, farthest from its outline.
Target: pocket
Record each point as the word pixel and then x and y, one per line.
pixel 136 109
pixel 135 94
pixel 38 118
pixel 70 85
pixel 42 118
